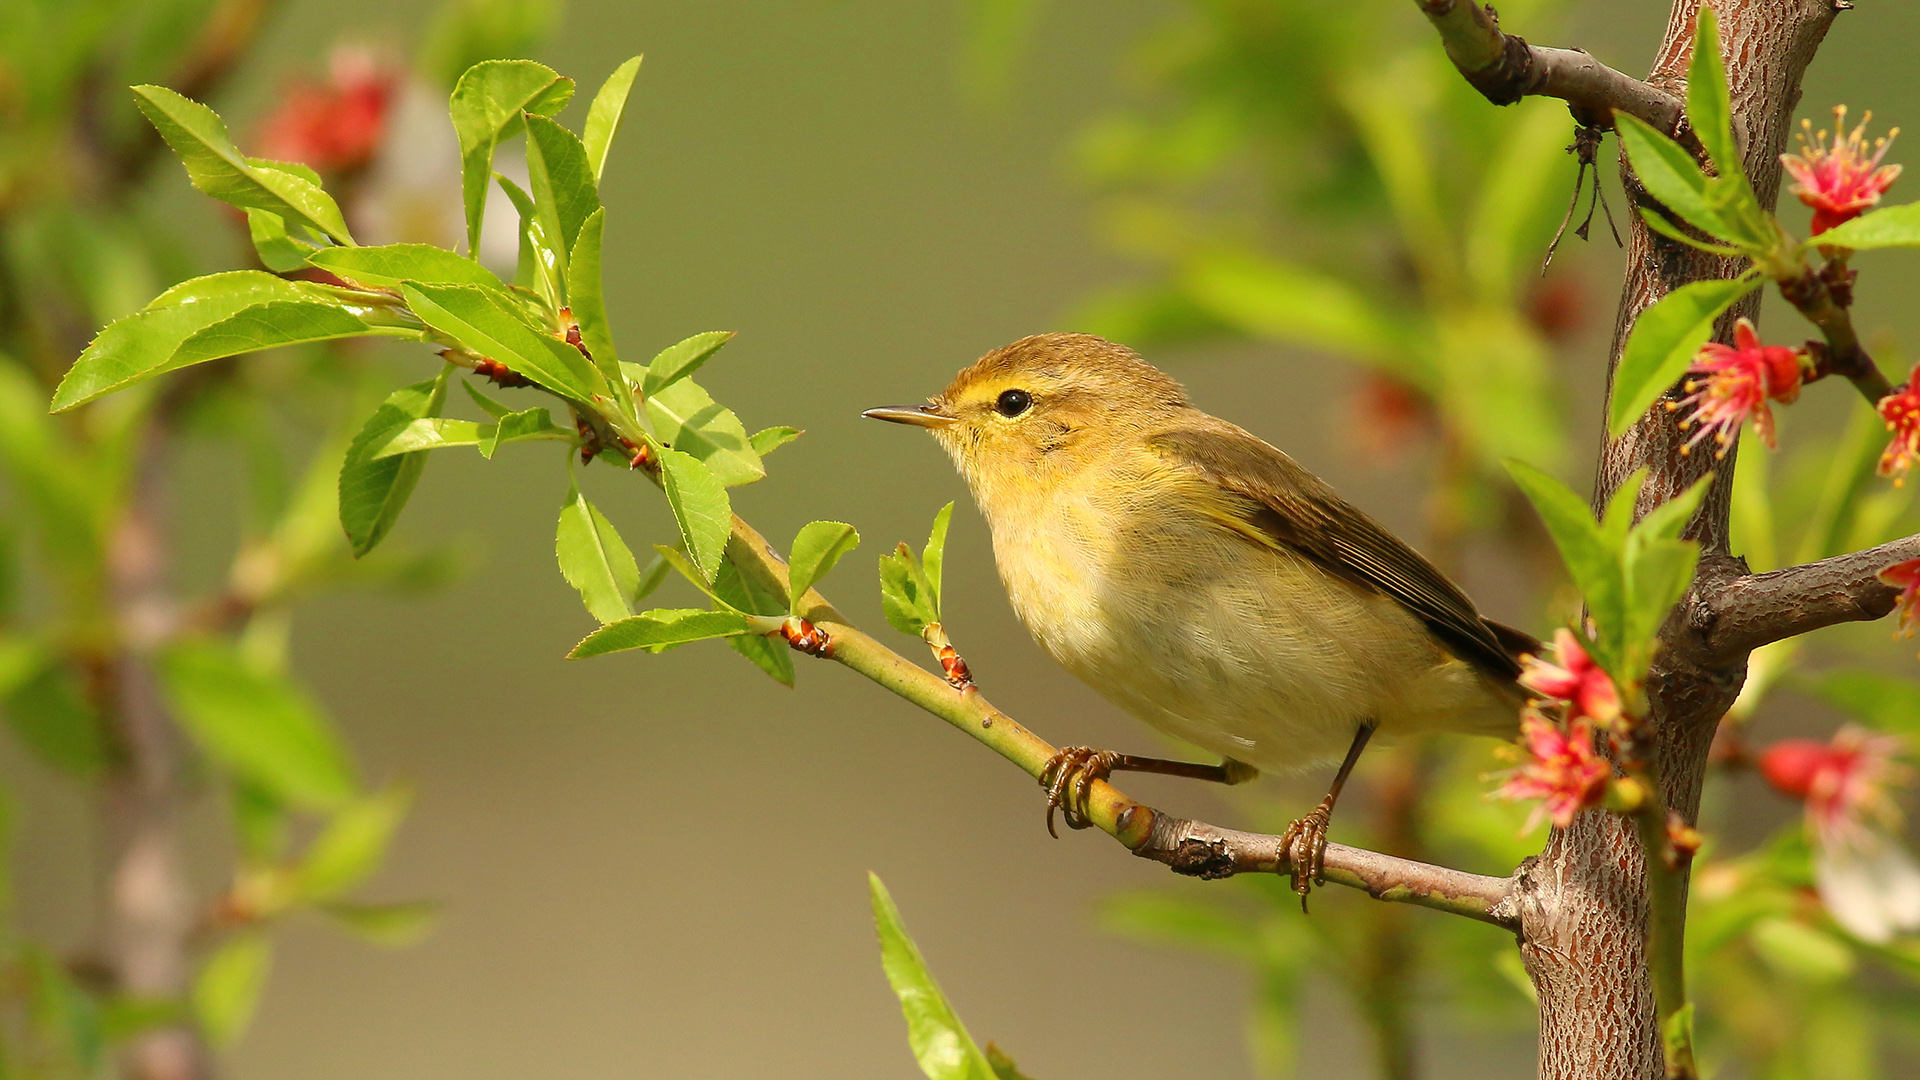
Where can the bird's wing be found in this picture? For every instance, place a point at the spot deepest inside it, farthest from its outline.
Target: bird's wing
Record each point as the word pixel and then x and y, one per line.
pixel 1287 506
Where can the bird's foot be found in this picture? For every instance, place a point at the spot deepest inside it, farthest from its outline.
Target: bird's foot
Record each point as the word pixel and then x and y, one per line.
pixel 1305 845
pixel 1068 777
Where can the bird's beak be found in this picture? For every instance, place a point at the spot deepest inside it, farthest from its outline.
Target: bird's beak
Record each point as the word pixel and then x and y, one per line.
pixel 926 416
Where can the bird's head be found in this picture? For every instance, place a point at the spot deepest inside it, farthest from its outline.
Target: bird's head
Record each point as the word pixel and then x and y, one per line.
pixel 1042 407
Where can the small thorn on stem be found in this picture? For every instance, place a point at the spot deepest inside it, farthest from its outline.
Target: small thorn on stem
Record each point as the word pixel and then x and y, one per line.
pixel 500 374
pixel 573 332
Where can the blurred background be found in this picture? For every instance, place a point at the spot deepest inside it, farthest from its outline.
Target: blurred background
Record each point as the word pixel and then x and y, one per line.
pixel 652 865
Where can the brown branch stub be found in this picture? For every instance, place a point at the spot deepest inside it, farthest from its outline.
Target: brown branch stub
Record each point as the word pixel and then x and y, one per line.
pixel 1505 68
pixel 1196 849
pixel 1742 612
pixel 1824 297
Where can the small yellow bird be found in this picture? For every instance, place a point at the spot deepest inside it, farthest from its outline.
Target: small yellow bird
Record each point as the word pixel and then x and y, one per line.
pixel 1201 580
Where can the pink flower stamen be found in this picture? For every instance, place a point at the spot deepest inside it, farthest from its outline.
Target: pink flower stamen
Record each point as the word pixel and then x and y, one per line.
pixel 1576 680
pixel 1905 576
pixel 1901 411
pixel 1839 179
pixel 1734 382
pixel 1561 769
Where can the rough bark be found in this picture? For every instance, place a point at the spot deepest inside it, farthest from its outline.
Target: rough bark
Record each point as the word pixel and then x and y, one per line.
pixel 1582 902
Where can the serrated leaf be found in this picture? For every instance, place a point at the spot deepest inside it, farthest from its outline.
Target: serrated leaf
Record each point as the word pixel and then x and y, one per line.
pixel 281 250
pixel 487 404
pixel 683 358
pixel 1895 226
pixel 1709 105
pixel 388 265
pixel 490 324
pixel 658 631
pixel 199 138
pixel 1657 574
pixel 768 654
pixel 227 991
pixel 564 195
pixel 743 593
pixel 905 599
pixel 426 433
pixel 391 925
pixel 940 1042
pixel 1593 563
pixel 373 490
pixel 817 547
pixel 143 344
pixel 525 426
pixel 538 268
pixel 588 301
pixel 686 418
pixel 274 324
pixel 1663 342
pixel 257 725
pixel 1670 175
pixel 594 559
pixel 767 440
pixel 933 559
pixel 351 846
pixel 700 507
pixel 604 115
pixel 486 108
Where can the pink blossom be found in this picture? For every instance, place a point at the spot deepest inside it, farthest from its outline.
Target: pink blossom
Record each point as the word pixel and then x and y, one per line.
pixel 1736 381
pixel 1901 411
pixel 1868 882
pixel 1905 576
pixel 1838 179
pixel 1576 679
pixel 335 127
pixel 1561 769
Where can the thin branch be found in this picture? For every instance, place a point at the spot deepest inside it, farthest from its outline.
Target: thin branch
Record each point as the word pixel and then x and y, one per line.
pixel 1824 297
pixel 1187 847
pixel 1504 68
pixel 1748 611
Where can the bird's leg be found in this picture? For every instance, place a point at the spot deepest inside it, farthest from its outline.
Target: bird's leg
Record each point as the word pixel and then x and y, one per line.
pixel 1069 776
pixel 1305 841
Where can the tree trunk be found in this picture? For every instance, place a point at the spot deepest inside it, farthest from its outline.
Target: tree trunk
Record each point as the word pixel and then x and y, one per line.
pixel 1583 900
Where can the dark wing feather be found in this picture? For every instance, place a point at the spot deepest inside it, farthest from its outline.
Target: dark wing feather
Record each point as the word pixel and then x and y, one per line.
pixel 1296 509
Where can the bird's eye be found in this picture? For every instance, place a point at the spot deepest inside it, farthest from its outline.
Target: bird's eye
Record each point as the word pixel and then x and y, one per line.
pixel 1013 403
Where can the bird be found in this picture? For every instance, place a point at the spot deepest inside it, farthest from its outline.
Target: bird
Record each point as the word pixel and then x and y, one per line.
pixel 1206 583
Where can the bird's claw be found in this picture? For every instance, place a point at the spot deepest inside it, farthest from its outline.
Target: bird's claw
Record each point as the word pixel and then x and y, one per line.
pixel 1305 845
pixel 1068 778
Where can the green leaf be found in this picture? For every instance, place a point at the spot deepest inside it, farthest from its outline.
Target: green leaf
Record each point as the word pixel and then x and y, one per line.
pixel 1002 1065
pixel 1668 520
pixel 352 845
pixel 391 925
pixel 227 990
pixel 741 592
pixel 817 547
pixel 905 597
pixel 679 360
pixel 767 440
pixel 1658 572
pixel 941 1044
pixel 1664 340
pixel 259 726
pixel 1669 174
pixel 768 654
pixel 1884 701
pixel 564 195
pixel 686 418
pixel 277 323
pixel 678 561
pixel 700 507
pixel 1709 105
pixel 659 630
pixel 933 558
pixel 588 301
pixel 373 490
pixel 1593 563
pixel 388 265
pixel 426 433
pixel 486 108
pixel 280 249
pixel 199 138
pixel 1283 301
pixel 595 560
pixel 1895 226
pixel 487 405
pixel 525 426
pixel 143 344
pixel 48 709
pixel 604 115
pixel 490 324
pixel 538 268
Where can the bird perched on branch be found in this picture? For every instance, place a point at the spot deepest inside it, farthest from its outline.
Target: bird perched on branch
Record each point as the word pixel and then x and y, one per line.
pixel 1204 582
